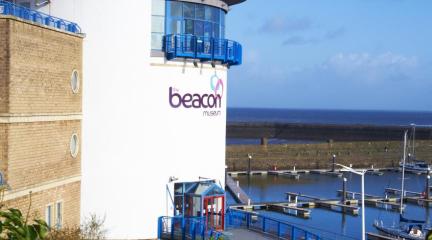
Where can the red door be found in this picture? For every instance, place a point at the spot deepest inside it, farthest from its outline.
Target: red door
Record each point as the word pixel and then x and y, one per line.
pixel 214 212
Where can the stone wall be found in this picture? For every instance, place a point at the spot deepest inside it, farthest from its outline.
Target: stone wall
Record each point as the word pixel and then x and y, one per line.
pixel 317 156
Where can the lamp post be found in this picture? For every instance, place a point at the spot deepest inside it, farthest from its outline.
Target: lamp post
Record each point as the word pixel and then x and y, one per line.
pixel 362 174
pixel 249 163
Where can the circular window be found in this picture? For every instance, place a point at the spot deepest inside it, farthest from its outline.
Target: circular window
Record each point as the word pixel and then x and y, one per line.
pixel 75 81
pixel 74 145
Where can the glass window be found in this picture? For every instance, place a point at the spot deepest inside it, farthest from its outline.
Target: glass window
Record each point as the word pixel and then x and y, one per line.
pixel 189 27
pixel 48 215
pixel 208 29
pixel 208 13
pixel 175 26
pixel 200 12
pixel 175 9
pixel 222 17
pixel 188 10
pixel 192 18
pixel 158 7
pixel 59 213
pixel 199 28
pixel 216 31
pixel 158 24
pixel 215 15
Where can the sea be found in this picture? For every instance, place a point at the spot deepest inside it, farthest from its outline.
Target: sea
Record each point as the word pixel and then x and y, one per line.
pixel 311 116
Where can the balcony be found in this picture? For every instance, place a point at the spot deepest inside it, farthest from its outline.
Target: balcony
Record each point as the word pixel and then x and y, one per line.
pixel 7 8
pixel 203 48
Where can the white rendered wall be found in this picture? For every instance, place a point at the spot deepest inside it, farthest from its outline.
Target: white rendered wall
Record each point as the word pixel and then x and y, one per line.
pixel 133 140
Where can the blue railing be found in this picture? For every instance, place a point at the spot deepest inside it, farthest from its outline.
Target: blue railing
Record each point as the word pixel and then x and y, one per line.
pixel 195 228
pixel 185 228
pixel 7 8
pixel 203 48
pixel 267 225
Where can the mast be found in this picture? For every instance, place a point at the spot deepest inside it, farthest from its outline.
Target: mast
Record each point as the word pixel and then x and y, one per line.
pixel 413 141
pixel 403 172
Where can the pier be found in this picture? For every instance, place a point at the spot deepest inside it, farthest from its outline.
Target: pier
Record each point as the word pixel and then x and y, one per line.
pixel 238 194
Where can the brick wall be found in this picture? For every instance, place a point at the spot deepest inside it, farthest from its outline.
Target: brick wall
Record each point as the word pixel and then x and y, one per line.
pixel 69 194
pixel 4 64
pixel 40 152
pixel 41 65
pixel 38 117
pixel 311 156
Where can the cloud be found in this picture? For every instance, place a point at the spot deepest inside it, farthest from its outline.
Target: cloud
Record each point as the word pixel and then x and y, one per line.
pixel 335 33
pixel 283 25
pixel 299 40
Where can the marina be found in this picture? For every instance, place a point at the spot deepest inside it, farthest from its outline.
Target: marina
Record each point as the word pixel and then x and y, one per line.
pixel 321 198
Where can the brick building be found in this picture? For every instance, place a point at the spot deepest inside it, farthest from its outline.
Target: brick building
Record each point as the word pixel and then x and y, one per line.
pixel 40 119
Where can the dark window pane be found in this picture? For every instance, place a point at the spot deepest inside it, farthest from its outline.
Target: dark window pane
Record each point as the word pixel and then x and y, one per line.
pixel 189 10
pixel 215 15
pixel 222 17
pixel 208 13
pixel 199 11
pixel 189 27
pixel 199 28
pixel 175 9
pixel 216 31
pixel 208 29
pixel 222 32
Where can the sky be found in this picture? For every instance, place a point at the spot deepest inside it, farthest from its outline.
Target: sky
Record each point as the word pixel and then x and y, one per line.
pixel 332 54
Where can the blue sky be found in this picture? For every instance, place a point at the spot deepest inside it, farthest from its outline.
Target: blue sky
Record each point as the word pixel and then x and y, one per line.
pixel 332 54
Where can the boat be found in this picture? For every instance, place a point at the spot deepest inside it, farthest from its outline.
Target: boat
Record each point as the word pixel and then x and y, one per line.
pixel 408 232
pixel 415 165
pixel 408 229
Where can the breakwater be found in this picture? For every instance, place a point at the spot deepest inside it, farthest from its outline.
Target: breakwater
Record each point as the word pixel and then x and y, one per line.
pixel 361 146
pixel 323 132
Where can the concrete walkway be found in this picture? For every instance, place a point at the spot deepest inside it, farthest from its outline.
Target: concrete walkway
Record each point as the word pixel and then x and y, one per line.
pixel 242 234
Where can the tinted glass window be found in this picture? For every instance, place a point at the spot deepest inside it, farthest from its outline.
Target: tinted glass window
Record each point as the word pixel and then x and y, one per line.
pixel 175 9
pixel 192 18
pixel 188 10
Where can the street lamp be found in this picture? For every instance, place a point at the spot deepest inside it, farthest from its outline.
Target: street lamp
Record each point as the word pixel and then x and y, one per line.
pixel 362 174
pixel 249 163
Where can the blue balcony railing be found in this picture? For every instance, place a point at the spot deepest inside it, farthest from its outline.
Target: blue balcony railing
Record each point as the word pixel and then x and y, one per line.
pixel 203 48
pixel 8 8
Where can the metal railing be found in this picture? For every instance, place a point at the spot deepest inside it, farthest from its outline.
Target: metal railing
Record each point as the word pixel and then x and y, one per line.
pixel 267 225
pixel 203 48
pixel 182 228
pixel 8 8
pixel 195 228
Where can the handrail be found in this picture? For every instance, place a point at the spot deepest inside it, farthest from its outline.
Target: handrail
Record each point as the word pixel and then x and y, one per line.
pixel 267 225
pixel 202 48
pixel 8 8
pixel 180 227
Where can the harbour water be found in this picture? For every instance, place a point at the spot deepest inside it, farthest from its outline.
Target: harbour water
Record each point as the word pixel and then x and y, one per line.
pixel 331 224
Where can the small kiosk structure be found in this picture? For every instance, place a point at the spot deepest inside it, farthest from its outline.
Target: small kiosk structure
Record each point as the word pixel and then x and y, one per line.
pixel 204 199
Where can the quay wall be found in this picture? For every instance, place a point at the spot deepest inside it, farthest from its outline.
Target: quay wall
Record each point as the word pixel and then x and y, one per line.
pixel 319 156
pixel 323 132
